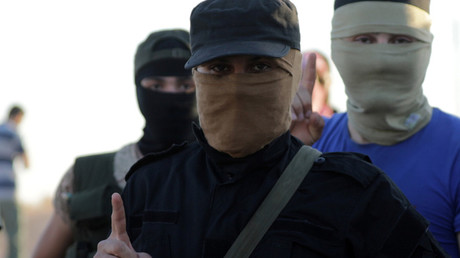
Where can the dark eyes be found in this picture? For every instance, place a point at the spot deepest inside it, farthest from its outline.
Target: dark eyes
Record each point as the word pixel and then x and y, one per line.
pixel 177 85
pixel 364 39
pixel 220 68
pixel 260 67
pixel 402 40
pixel 373 39
pixel 186 86
pixel 257 67
pixel 156 86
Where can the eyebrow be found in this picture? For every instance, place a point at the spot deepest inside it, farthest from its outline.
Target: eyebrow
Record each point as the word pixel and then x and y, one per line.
pixel 160 78
pixel 256 58
pixel 156 78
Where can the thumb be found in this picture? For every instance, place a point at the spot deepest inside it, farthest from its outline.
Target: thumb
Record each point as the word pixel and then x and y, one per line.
pixel 316 126
pixel 119 220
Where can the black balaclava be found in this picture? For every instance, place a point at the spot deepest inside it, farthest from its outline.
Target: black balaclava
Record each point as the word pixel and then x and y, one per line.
pixel 168 116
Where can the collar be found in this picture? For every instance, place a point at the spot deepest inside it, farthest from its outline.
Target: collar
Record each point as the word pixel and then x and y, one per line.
pixel 230 169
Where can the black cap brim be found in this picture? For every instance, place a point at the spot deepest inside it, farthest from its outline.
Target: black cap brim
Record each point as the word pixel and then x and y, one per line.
pixel 256 48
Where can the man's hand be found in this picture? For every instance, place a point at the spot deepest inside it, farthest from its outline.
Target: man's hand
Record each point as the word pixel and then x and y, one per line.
pixel 118 243
pixel 306 125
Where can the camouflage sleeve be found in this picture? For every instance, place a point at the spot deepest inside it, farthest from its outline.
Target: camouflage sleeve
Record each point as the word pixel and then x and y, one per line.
pixel 61 197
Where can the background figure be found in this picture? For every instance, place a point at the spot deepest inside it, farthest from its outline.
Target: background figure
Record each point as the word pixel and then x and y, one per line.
pixel 166 98
pixel 382 57
pixel 320 96
pixel 11 147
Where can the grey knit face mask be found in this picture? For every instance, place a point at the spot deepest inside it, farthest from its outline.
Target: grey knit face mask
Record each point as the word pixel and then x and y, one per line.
pixel 383 81
pixel 384 87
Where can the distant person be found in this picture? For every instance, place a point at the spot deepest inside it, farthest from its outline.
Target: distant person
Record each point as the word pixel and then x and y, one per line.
pixel 195 199
pixel 166 98
pixel 320 96
pixel 11 147
pixel 382 50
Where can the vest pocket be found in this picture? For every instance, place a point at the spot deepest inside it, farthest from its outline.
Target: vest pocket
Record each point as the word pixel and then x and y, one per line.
pixel 92 203
pixel 153 242
pixel 150 231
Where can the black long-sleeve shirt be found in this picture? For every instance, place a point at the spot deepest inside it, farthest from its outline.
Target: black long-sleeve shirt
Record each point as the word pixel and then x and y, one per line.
pixel 193 201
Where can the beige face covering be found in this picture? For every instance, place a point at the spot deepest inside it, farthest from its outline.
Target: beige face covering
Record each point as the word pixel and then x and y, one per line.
pixel 241 113
pixel 383 82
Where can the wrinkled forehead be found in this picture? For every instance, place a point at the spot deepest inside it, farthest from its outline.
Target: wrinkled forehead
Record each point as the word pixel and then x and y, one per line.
pixel 381 17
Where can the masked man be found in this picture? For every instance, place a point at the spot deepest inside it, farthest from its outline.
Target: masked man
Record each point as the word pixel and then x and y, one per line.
pixel 195 199
pixel 166 98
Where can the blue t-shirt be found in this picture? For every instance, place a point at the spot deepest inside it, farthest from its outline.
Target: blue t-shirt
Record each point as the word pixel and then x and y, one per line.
pixel 10 148
pixel 426 167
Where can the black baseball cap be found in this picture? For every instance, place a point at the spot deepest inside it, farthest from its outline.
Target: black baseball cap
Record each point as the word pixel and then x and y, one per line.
pixel 163 53
pixel 242 27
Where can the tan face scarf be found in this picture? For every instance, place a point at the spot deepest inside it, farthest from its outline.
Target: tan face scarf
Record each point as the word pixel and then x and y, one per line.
pixel 241 113
pixel 383 82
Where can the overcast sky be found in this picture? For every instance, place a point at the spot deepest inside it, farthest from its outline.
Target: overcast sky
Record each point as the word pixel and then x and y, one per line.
pixel 70 65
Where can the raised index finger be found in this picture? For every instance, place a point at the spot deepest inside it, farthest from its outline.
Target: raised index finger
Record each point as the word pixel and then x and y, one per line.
pixel 309 72
pixel 119 220
pixel 301 105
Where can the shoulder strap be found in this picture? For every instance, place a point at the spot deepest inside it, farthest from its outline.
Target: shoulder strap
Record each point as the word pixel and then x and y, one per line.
pixel 275 201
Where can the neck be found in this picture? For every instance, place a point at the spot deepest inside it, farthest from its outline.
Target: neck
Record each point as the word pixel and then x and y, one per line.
pixel 387 127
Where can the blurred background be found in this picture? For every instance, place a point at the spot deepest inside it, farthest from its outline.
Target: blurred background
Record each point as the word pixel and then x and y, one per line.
pixel 70 65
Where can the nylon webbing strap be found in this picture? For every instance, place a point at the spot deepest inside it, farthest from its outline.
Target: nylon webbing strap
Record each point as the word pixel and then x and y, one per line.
pixel 275 201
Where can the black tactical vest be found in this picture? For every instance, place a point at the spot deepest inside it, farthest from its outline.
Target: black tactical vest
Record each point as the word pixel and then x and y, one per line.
pixel 90 205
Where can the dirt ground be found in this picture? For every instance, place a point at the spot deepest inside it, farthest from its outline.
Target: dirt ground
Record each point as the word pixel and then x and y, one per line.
pixel 33 219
